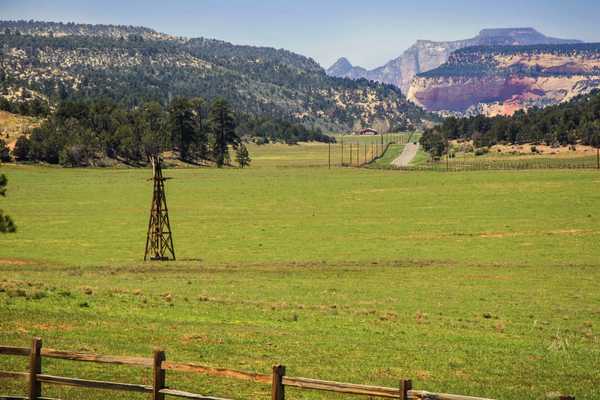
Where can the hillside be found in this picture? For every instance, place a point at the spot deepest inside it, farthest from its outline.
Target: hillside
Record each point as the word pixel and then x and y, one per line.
pixel 426 55
pixel 572 124
pixel 494 80
pixel 134 64
pixel 12 126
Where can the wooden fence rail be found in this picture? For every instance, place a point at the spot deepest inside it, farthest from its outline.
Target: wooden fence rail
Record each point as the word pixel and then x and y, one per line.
pixel 159 390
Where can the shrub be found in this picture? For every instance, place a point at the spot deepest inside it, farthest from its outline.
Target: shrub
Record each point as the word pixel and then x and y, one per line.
pixel 481 151
pixel 16 293
pixel 38 295
pixel 4 152
pixel 74 156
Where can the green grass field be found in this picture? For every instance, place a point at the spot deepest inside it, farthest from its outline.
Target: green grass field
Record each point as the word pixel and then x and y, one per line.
pixel 477 283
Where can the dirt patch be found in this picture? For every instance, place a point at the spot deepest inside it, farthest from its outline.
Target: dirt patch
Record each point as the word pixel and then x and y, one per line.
pixel 488 278
pixel 12 126
pixel 563 232
pixel 52 327
pixel 14 262
pixel 527 149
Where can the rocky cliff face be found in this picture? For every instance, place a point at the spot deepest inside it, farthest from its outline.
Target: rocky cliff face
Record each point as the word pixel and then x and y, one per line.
pixel 501 80
pixel 426 55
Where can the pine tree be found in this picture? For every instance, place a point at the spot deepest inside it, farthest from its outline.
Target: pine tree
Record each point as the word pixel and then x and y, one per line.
pixel 186 127
pixel 242 156
pixel 6 223
pixel 222 127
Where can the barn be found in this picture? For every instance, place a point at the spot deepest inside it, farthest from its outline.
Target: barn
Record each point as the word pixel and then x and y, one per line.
pixel 368 132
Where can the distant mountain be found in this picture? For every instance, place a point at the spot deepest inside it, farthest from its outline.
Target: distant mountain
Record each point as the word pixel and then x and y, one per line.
pixel 426 55
pixel 136 64
pixel 343 69
pixel 499 80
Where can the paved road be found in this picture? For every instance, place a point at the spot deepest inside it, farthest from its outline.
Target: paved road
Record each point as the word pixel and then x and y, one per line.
pixel 408 154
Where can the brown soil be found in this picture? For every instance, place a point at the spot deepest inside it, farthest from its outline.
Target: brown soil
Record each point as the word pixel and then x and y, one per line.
pixel 14 261
pixel 578 150
pixel 13 126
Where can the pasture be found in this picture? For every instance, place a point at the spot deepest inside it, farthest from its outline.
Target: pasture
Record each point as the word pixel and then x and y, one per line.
pixel 478 283
pixel 506 158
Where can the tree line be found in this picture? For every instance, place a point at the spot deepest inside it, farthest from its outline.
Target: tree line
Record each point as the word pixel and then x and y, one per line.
pixel 482 60
pixel 577 121
pixel 84 133
pixel 31 107
pixel 90 133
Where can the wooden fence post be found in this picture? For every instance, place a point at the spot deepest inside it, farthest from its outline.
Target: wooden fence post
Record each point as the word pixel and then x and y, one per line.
pixel 35 368
pixel 277 389
pixel 405 386
pixel 159 375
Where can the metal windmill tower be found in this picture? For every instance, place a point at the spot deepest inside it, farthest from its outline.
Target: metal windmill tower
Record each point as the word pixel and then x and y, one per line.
pixel 159 242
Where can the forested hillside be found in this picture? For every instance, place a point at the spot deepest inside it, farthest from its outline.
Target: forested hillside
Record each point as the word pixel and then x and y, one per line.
pixel 566 124
pixel 135 65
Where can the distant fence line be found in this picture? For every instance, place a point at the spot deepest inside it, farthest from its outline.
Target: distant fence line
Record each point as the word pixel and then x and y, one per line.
pixel 359 151
pixel 362 151
pixel 504 165
pixel 278 379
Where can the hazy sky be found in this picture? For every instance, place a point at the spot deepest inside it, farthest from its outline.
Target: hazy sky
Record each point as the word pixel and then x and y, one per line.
pixel 368 32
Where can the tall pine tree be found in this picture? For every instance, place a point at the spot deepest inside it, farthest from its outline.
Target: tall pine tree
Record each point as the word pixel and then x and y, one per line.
pixel 222 128
pixel 186 127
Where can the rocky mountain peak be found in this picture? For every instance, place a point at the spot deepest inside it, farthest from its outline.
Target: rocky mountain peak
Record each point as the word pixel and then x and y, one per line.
pixel 340 67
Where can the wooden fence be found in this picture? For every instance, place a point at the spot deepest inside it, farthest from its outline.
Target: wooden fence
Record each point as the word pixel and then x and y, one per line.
pixel 278 380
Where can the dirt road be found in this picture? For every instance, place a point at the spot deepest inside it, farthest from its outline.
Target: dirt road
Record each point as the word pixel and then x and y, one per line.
pixel 408 154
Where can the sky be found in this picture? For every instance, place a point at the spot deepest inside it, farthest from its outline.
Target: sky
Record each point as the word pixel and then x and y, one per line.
pixel 368 32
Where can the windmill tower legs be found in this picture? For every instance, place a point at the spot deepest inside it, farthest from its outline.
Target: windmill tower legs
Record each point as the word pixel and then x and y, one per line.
pixel 159 241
